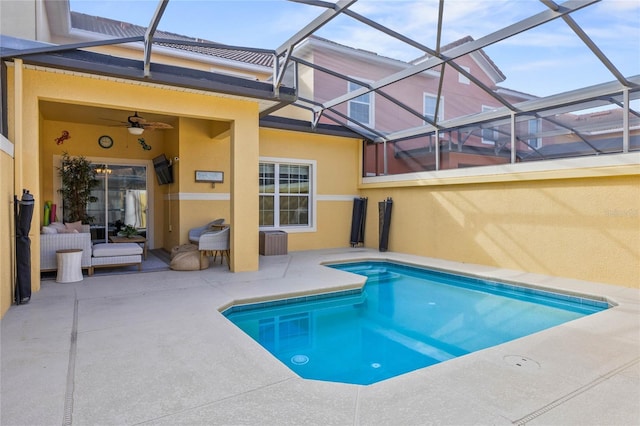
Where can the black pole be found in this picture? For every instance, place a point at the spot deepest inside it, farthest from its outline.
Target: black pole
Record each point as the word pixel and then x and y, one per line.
pixel 384 211
pixel 358 217
pixel 23 217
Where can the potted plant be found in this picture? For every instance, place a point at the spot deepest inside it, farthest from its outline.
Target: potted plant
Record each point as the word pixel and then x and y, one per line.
pixel 128 231
pixel 78 180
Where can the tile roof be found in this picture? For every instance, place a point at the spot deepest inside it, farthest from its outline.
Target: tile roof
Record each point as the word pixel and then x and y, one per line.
pixel 119 29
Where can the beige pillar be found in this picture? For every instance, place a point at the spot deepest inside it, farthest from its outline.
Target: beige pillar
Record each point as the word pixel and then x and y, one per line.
pixel 244 192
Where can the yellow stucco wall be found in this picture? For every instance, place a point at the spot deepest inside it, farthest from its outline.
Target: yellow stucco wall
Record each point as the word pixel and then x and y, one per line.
pixel 204 145
pixel 7 231
pixel 585 228
pixel 337 171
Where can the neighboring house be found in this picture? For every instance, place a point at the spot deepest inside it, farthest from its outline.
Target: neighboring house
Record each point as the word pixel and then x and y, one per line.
pixel 330 70
pixel 409 103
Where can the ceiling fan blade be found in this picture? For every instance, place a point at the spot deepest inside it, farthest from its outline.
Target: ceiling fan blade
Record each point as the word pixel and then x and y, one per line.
pixel 117 121
pixel 157 125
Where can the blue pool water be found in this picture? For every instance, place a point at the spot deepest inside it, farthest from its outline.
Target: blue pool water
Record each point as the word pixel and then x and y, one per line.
pixel 405 318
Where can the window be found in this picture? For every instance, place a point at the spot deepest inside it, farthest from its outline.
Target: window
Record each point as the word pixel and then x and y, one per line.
pixel 361 108
pixel 462 78
pixel 535 127
pixel 430 107
pixel 489 136
pixel 285 194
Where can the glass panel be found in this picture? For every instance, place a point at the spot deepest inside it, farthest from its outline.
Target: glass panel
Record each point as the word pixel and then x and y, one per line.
pixel 294 179
pixel 294 210
pixel 359 112
pixel 634 121
pixel 360 107
pixel 589 128
pixel 122 200
pixel 430 107
pixel 267 178
pixel 412 155
pixel 484 144
pixel 266 210
pixel 97 210
pixel 284 205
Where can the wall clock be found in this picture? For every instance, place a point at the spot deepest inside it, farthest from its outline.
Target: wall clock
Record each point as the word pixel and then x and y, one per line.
pixel 105 141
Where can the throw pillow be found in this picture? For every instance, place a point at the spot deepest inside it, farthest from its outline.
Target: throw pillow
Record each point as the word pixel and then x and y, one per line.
pixel 58 226
pixel 75 226
pixel 49 230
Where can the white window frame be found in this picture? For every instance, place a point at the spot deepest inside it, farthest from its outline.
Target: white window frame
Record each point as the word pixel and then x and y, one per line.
pixel 462 79
pixel 352 87
pixel 312 226
pixel 534 142
pixel 494 133
pixel 433 96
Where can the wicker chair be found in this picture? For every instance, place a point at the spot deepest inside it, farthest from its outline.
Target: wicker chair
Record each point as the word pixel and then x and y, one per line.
pixel 194 233
pixel 213 242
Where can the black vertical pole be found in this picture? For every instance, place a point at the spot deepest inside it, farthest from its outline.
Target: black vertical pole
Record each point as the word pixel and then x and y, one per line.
pixel 384 210
pixel 358 217
pixel 23 246
pixel 355 221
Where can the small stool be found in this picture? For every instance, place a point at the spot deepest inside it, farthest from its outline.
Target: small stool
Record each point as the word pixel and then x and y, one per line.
pixel 69 265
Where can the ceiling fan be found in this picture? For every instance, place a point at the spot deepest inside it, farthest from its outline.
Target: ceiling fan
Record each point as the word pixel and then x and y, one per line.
pixel 136 125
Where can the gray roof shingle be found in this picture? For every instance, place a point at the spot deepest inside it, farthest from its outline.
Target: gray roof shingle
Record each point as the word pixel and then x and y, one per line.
pixel 119 29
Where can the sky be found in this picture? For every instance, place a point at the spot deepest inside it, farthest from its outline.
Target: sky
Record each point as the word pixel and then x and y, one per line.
pixel 544 61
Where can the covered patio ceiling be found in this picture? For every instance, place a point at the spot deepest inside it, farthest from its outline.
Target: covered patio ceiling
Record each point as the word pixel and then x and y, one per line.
pixel 568 32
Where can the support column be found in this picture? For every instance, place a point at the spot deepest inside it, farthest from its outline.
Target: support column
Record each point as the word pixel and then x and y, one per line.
pixel 245 153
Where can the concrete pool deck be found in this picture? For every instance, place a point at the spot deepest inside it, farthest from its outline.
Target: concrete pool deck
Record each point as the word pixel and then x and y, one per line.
pixel 152 348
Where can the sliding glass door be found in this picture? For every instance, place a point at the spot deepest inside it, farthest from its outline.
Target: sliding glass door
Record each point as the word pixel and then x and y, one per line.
pixel 122 200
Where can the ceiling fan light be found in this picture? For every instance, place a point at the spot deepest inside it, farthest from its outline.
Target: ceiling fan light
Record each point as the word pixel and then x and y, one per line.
pixel 135 130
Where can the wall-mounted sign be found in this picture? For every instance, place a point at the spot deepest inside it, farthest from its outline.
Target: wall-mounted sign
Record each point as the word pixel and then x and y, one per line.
pixel 209 176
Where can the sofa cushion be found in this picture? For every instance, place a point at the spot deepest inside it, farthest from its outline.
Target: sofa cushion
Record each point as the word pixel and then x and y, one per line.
pixel 68 231
pixel 73 226
pixel 116 249
pixel 49 230
pixel 58 226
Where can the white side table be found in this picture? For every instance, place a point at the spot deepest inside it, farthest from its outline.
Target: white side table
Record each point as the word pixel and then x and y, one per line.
pixel 69 265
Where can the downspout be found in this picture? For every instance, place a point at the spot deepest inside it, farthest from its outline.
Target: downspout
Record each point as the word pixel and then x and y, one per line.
pixel 4 116
pixel 18 142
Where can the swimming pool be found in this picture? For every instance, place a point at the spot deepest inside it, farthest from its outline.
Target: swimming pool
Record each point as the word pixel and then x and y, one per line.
pixel 404 318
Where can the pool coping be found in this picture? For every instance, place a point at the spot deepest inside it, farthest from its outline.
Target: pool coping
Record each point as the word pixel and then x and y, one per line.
pixel 478 272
